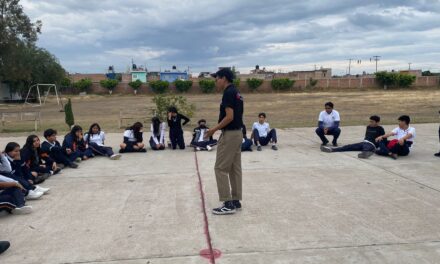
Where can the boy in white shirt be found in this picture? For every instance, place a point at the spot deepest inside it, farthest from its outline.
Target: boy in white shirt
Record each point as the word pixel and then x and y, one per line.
pixel 328 124
pixel 400 146
pixel 262 134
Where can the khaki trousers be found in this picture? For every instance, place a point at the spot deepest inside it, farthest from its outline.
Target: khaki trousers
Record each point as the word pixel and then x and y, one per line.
pixel 228 165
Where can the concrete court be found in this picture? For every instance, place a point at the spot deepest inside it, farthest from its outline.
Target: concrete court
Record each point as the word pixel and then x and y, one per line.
pixel 300 206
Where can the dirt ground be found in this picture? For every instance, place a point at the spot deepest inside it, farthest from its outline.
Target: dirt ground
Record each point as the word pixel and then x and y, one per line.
pixel 284 110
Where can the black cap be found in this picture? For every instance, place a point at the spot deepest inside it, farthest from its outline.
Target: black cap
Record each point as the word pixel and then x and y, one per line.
pixel 224 72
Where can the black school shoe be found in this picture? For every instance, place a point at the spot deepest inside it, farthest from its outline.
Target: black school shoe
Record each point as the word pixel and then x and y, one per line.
pixel 227 208
pixel 437 154
pixel 237 204
pixel 4 245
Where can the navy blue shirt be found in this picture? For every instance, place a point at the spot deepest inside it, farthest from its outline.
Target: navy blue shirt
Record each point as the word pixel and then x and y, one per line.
pixel 233 99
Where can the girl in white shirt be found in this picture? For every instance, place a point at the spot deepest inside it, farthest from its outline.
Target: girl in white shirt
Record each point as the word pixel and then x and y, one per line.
pixel 95 139
pixel 133 139
pixel 157 139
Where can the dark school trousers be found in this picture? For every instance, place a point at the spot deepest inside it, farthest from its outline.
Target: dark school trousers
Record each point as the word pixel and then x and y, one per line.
pixel 246 145
pixel 361 146
pixel 101 150
pixel 396 149
pixel 335 132
pixel 176 138
pixel 271 136
pixel 153 144
pixel 13 196
pixel 59 156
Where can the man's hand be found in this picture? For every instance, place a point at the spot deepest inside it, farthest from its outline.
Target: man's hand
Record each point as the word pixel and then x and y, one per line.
pixel 209 134
pixel 68 151
pixel 54 166
pixel 401 141
pixel 379 139
pixel 325 131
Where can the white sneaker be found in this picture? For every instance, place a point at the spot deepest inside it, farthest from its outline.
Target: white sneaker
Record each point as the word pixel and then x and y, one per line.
pixel 34 195
pixel 198 149
pixel 41 189
pixel 27 209
pixel 209 148
pixel 115 156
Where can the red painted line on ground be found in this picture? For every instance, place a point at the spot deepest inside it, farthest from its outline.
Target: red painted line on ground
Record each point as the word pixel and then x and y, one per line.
pixel 208 253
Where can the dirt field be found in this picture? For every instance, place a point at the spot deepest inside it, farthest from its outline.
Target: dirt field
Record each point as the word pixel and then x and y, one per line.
pixel 283 110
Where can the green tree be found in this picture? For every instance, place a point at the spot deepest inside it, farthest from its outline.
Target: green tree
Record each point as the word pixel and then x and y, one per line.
pixel 405 80
pixel 207 85
pixel 163 102
pixel 83 85
pixel 183 86
pixel 312 83
pixel 136 84
pixel 282 84
pixel 70 120
pixel 109 84
pixel 159 87
pixel 236 83
pixel 254 83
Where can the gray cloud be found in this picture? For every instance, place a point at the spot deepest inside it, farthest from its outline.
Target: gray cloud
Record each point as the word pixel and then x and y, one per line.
pixel 89 36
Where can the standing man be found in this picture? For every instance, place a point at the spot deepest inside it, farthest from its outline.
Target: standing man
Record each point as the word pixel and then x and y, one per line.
pixel 328 124
pixel 228 160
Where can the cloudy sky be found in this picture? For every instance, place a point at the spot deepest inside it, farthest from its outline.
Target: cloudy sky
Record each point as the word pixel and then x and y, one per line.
pixel 88 36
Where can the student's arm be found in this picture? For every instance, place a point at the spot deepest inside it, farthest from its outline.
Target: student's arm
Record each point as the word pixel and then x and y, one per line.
pixel 387 135
pixel 186 119
pixel 5 165
pixel 223 123
pixel 153 136
pixel 402 140
pixel 4 185
pixel 103 137
pixel 162 134
pixel 336 124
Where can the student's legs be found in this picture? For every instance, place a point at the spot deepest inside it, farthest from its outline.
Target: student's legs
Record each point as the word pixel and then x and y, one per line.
pixel 246 145
pixel 74 155
pixel 16 194
pixel 101 150
pixel 181 140
pixel 272 135
pixel 320 132
pixel 173 139
pixel 351 147
pixel 23 182
pixel 368 147
pixel 383 149
pixel 153 144
pixel 7 202
pixel 256 136
pixel 58 156
pixel 400 150
pixel 335 132
pixel 264 140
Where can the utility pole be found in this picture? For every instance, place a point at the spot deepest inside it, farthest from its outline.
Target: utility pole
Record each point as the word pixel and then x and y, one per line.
pixel 375 58
pixel 409 66
pixel 349 66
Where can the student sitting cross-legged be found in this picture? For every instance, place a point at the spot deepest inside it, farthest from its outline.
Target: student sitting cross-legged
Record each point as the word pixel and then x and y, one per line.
pixel 246 144
pixel 95 139
pixel 198 141
pixel 401 145
pixel 13 167
pixel 40 165
pixel 368 146
pixel 262 134
pixel 12 197
pixel 157 139
pixel 75 147
pixel 175 125
pixel 133 139
pixel 328 124
pixel 53 148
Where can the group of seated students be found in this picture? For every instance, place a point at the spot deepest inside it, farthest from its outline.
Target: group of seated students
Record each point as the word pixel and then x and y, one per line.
pixel 22 169
pixel 376 141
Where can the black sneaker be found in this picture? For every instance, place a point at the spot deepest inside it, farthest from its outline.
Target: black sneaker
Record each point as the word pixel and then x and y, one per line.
pixel 326 149
pixel 274 147
pixel 237 204
pixel 121 151
pixel 143 150
pixel 324 143
pixel 365 154
pixel 73 165
pixel 4 245
pixel 437 154
pixel 227 208
pixel 259 148
pixel 335 144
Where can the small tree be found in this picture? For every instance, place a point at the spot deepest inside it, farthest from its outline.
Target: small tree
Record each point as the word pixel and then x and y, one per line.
pixel 135 85
pixel 110 84
pixel 66 82
pixel 183 86
pixel 83 85
pixel 163 102
pixel 312 83
pixel 254 83
pixel 406 80
pixel 282 84
pixel 159 87
pixel 70 120
pixel 236 83
pixel 207 85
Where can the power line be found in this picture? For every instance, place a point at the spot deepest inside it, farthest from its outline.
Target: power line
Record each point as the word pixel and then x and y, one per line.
pixel 376 58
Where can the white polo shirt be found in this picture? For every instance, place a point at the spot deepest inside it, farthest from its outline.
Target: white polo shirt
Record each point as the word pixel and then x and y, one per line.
pixel 263 129
pixel 329 119
pixel 400 133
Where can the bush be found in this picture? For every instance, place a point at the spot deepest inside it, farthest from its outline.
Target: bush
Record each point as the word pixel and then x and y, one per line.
pixel 282 84
pixel 159 87
pixel 254 83
pixel 183 86
pixel 393 79
pixel 135 85
pixel 83 85
pixel 109 84
pixel 207 85
pixel 163 102
pixel 312 83
pixel 68 111
pixel 236 83
pixel 66 82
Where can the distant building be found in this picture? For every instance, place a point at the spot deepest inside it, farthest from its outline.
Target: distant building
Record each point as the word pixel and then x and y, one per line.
pixel 417 73
pixel 204 75
pixel 138 73
pixel 174 74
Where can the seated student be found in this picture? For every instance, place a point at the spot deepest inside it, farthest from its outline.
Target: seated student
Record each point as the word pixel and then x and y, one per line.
pixel 12 197
pixel 400 146
pixel 198 141
pixel 4 245
pixel 133 139
pixel 11 166
pixel 75 147
pixel 328 124
pixel 41 166
pixel 262 134
pixel 157 139
pixel 246 144
pixel 175 125
pixel 53 148
pixel 368 146
pixel 438 153
pixel 95 139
